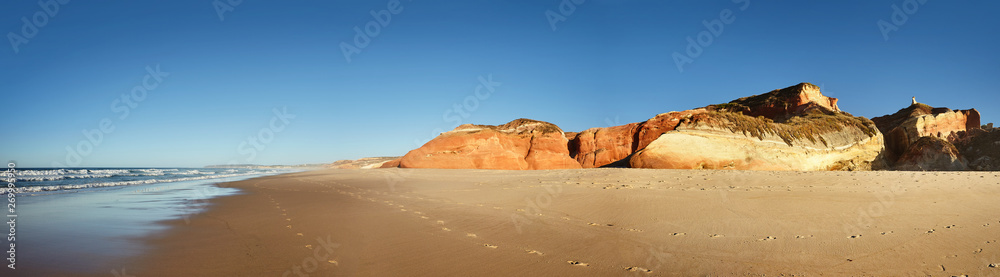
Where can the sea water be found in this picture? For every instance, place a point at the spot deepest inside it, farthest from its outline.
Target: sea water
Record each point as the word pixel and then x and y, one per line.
pixel 90 220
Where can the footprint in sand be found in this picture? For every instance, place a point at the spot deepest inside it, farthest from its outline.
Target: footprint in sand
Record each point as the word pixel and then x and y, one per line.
pixel 566 218
pixel 309 246
pixel 576 263
pixel 445 229
pixel 637 269
pixel 298 234
pixel 715 236
pixel 440 222
pixel 334 262
pixel 679 234
pixel 425 217
pixel 471 235
pixel 534 252
pixel 768 238
pixel 289 226
pixel 633 230
pixel 854 236
pixel 490 246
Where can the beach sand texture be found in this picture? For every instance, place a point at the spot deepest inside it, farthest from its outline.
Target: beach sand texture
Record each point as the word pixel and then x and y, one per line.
pixel 592 222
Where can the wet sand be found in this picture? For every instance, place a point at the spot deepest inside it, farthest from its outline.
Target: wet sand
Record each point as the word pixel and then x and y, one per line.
pixel 593 222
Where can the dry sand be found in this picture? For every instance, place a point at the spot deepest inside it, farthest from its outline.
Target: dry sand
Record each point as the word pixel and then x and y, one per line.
pixel 592 222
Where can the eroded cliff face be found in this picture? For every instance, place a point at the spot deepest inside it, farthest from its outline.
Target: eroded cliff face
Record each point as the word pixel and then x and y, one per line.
pixel 931 153
pixel 795 128
pixel 519 144
pixel 905 127
pixel 772 131
pixel 729 140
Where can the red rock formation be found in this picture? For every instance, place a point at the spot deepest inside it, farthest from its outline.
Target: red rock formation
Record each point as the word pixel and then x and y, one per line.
pixel 391 164
pixel 519 144
pixel 782 103
pixel 596 147
pixel 795 128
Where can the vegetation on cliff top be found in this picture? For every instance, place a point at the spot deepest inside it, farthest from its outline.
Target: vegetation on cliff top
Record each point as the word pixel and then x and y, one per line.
pixel 809 126
pixel 540 126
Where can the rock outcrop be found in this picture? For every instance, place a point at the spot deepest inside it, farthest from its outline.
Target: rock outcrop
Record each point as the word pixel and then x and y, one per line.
pixel 796 128
pixel 905 127
pixel 362 163
pixel 611 146
pixel 519 144
pixel 596 147
pixel 931 153
pixel 981 148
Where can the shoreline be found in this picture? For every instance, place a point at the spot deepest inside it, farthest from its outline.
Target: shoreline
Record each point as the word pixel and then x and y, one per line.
pixel 94 231
pixel 426 222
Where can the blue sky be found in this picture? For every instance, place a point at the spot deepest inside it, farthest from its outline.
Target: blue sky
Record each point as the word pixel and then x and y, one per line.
pixel 221 78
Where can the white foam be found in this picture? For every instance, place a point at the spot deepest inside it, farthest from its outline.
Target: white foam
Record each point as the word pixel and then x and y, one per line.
pixel 124 183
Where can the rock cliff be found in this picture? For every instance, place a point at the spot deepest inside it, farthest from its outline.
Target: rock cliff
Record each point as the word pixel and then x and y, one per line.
pixel 519 144
pixel 795 128
pixel 905 127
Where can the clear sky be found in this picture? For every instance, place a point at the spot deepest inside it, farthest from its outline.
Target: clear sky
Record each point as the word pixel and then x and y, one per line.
pixel 225 67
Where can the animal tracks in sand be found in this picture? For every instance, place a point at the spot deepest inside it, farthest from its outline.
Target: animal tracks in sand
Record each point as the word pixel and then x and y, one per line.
pixel 487 245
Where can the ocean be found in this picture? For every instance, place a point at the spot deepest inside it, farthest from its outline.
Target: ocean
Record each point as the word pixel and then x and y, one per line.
pixel 34 181
pixel 88 220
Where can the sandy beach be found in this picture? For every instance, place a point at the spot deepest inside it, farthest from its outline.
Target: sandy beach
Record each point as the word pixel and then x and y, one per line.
pixel 596 222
